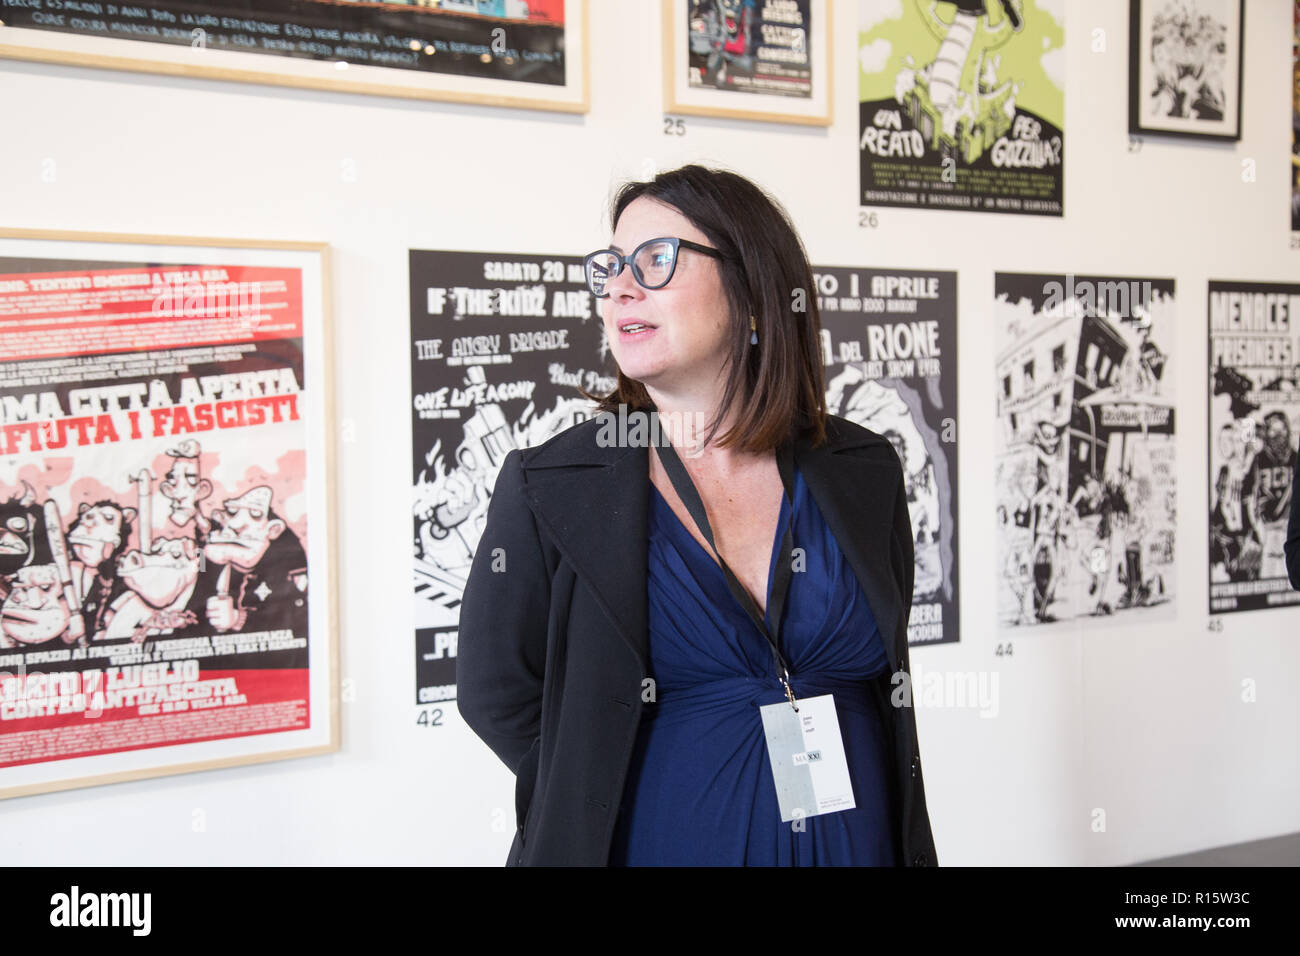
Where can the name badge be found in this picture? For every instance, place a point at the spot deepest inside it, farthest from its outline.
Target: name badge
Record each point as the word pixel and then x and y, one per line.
pixel 807 756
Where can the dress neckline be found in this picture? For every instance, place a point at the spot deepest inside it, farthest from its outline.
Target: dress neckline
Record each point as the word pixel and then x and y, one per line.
pixel 785 515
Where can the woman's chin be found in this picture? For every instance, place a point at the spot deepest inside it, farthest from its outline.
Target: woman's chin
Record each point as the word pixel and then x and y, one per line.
pixel 643 371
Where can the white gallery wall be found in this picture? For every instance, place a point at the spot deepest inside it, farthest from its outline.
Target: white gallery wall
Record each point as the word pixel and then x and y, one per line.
pixel 1110 744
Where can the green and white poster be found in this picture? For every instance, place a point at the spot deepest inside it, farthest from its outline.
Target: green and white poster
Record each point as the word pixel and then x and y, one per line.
pixel 961 104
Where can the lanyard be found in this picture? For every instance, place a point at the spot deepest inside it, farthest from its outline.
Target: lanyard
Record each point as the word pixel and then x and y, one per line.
pixel 781 582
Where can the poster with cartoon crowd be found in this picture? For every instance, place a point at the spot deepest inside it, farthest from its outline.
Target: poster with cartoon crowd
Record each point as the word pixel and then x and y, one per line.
pixel 751 46
pixel 1084 449
pixel 1254 418
pixel 500 345
pixel 154 512
pixel 1185 64
pixel 889 341
pixel 961 105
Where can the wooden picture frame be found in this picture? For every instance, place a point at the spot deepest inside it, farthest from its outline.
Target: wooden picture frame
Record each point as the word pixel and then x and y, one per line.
pixel 166 475
pixel 465 51
pixel 697 83
pixel 1172 94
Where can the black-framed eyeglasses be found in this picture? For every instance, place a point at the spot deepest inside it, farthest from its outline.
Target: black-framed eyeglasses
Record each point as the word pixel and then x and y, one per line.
pixel 653 263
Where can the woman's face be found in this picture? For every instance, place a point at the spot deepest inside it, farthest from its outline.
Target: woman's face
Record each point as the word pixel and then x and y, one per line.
pixel 686 343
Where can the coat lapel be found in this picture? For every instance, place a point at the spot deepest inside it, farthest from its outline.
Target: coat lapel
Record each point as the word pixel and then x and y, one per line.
pixel 593 503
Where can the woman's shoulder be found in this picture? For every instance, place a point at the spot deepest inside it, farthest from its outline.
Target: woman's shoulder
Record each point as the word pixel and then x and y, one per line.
pixel 579 444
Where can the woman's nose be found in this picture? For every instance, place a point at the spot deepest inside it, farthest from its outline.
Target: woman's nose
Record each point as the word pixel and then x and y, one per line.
pixel 622 284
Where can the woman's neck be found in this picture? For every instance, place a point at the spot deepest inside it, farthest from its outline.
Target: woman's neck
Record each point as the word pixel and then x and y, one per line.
pixel 684 417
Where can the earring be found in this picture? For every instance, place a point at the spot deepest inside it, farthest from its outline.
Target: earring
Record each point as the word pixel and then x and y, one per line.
pixel 753 331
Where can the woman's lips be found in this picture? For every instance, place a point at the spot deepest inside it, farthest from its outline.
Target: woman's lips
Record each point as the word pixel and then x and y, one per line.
pixel 634 328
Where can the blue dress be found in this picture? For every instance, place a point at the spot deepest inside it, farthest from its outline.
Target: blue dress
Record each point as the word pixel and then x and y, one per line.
pixel 699 789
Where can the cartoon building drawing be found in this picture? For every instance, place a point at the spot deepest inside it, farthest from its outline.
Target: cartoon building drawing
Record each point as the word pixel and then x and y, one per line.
pixel 1085 474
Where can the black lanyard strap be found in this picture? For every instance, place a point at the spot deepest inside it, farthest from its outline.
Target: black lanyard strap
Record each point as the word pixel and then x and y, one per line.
pixel 681 480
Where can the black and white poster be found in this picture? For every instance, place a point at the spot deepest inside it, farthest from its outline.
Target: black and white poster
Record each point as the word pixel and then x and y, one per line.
pixel 1185 67
pixel 1254 416
pixel 889 341
pixel 1084 448
pixel 499 345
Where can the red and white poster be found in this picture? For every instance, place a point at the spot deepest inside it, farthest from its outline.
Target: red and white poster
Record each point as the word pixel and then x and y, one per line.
pixel 163 509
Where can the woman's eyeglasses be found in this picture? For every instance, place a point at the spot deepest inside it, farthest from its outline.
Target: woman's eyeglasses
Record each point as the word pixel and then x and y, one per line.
pixel 653 263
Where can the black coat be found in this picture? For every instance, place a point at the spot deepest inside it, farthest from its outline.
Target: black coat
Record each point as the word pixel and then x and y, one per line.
pixel 553 643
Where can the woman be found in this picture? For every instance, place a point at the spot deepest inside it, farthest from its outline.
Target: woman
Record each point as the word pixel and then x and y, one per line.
pixel 609 658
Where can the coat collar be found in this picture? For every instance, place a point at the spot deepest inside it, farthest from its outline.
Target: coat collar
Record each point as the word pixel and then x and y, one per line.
pixel 594 503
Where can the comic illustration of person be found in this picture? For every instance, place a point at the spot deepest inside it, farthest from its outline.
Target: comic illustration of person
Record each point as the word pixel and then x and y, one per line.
pixel 1088 497
pixel 23 540
pixel 1091 499
pixel 1022 507
pixel 253 569
pixel 1016 516
pixel 1266 491
pixel 157 588
pixel 1151 360
pixel 1233 556
pixel 1112 510
pixel 1019 571
pixel 722 33
pixel 185 488
pixel 34 610
pixel 97 538
pixel 1188 58
pixel 1046 528
pixel 1134 526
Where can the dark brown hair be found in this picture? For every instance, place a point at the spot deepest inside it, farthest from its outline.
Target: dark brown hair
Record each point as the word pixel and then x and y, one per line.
pixel 779 385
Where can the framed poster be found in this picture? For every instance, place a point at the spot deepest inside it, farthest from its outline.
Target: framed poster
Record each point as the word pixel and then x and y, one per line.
pixel 1254 421
pixel 1185 59
pixel 961 106
pixel 165 482
pixel 1084 458
pixel 764 60
pixel 519 53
